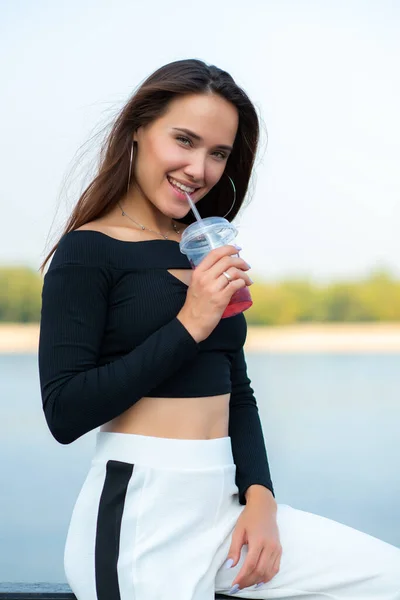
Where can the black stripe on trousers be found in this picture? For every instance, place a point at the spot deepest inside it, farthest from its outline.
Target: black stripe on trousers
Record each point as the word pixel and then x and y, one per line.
pixel 108 528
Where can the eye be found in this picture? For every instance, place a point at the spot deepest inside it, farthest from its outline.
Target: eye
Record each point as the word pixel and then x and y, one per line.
pixel 188 142
pixel 182 139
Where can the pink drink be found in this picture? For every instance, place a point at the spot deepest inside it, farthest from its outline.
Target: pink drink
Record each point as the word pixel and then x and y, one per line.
pixel 199 239
pixel 239 302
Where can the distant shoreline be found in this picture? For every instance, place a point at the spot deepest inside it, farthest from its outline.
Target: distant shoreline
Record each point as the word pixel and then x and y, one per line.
pixel 17 338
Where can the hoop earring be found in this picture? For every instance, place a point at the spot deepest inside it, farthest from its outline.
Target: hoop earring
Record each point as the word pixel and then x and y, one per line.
pixel 130 167
pixel 234 195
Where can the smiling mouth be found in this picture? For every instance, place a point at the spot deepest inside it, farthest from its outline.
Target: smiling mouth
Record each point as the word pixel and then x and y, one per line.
pixel 180 187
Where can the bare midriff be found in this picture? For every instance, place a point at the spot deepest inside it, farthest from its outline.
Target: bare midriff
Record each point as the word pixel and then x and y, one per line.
pixel 183 418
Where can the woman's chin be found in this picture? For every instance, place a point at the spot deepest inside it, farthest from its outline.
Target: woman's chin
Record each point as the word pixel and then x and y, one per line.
pixel 175 212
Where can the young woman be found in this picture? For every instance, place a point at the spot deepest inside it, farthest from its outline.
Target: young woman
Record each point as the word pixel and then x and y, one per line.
pixel 178 502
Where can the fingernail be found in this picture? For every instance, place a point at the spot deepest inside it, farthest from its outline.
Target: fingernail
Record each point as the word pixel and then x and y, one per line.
pixel 251 281
pixel 238 247
pixel 248 265
pixel 259 584
pixel 228 563
pixel 234 589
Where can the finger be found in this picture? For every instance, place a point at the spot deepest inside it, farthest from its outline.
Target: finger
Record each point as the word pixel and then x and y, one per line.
pixel 231 287
pixel 215 255
pixel 235 271
pixel 271 566
pixel 266 569
pixel 243 578
pixel 234 274
pixel 238 540
pixel 231 263
pixel 274 570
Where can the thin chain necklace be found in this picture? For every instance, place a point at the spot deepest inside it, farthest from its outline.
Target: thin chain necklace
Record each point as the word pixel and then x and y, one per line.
pixel 124 214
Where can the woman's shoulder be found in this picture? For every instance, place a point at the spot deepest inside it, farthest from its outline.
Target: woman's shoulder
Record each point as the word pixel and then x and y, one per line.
pixel 87 245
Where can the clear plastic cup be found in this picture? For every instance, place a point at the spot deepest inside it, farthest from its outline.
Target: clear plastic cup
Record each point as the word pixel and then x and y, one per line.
pixel 199 238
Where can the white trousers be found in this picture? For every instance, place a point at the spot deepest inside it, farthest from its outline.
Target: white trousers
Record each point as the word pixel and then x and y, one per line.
pixel 154 521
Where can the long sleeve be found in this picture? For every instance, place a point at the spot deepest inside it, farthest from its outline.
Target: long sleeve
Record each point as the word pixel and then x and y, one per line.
pixel 246 433
pixel 77 394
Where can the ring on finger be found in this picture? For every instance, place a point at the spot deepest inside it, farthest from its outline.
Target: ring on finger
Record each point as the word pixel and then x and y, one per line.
pixel 229 278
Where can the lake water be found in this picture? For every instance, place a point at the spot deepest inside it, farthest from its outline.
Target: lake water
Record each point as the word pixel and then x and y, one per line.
pixel 331 425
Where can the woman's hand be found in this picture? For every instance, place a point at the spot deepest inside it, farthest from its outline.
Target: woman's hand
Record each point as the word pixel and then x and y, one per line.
pixel 256 527
pixel 209 292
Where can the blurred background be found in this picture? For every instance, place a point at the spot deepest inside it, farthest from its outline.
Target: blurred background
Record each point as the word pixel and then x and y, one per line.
pixel 320 229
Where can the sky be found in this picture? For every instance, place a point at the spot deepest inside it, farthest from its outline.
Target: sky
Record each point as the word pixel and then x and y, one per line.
pixel 323 75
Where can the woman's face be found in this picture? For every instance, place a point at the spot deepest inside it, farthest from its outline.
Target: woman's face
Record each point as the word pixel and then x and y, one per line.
pixel 190 144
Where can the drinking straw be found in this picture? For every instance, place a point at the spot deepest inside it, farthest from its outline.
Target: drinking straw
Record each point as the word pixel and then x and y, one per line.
pixel 199 220
pixel 193 207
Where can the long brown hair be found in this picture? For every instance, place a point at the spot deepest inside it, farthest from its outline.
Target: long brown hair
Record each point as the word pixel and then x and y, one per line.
pixel 149 102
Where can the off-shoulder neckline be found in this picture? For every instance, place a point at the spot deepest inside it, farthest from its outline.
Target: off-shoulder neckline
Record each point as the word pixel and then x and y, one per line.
pixel 121 241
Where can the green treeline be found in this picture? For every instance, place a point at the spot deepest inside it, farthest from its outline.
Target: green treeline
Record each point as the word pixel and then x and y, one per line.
pixel 20 295
pixel 376 298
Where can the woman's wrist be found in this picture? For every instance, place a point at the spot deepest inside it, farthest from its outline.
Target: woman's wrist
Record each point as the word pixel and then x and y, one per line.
pixel 259 493
pixel 196 335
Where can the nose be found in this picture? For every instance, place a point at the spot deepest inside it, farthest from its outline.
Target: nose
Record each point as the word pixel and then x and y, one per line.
pixel 195 170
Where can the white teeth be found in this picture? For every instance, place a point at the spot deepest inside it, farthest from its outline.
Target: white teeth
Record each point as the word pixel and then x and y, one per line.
pixel 185 188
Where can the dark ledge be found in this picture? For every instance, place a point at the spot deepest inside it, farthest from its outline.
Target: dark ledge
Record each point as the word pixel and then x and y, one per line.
pixel 45 591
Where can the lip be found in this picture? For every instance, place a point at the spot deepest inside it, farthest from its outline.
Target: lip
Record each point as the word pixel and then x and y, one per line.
pixel 180 194
pixel 184 183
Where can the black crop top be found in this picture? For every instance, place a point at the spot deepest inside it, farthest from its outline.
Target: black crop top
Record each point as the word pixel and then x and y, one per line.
pixel 109 335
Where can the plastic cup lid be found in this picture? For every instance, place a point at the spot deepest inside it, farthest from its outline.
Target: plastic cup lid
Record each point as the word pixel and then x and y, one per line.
pixel 215 225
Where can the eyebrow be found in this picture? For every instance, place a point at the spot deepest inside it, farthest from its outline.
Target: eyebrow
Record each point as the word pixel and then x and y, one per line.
pixel 199 139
